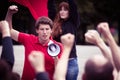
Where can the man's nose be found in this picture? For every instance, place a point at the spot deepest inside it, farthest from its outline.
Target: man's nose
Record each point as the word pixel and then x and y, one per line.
pixel 44 31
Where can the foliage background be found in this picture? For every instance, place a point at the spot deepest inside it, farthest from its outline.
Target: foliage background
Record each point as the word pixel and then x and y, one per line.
pixel 91 13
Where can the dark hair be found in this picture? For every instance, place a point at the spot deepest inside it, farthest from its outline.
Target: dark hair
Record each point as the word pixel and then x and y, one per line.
pixel 94 72
pixel 63 4
pixel 43 20
pixel 6 72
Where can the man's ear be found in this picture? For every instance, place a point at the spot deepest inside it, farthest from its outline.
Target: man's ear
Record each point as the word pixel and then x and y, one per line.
pixel 36 31
pixel 51 30
pixel 84 76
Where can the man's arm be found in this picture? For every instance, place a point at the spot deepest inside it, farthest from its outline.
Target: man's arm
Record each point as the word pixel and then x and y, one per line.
pixel 92 36
pixel 36 59
pixel 11 10
pixel 61 67
pixel 105 31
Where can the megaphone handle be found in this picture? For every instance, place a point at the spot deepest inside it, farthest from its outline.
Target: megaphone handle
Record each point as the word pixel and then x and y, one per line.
pixel 55 60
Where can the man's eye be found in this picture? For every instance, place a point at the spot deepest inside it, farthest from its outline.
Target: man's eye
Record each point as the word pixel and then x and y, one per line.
pixel 41 29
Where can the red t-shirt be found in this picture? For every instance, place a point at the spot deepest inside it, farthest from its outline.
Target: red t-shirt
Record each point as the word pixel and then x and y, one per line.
pixel 31 43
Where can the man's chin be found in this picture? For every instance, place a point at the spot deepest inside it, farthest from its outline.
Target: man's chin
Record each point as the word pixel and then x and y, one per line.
pixel 45 40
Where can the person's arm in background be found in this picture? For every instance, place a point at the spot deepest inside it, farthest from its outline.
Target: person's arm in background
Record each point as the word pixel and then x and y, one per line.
pixel 105 31
pixel 92 36
pixel 12 10
pixel 61 67
pixel 7 46
pixel 118 76
pixel 36 59
pixel 51 9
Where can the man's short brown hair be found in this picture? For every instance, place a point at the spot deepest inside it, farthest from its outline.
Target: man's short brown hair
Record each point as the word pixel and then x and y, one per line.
pixel 43 20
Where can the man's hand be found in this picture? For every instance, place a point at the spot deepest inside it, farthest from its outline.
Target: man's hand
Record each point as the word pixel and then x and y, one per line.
pixel 92 36
pixel 67 40
pixel 103 28
pixel 4 28
pixel 12 9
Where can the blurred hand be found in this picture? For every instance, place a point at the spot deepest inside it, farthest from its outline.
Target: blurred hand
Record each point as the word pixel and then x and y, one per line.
pixel 67 40
pixel 4 26
pixel 36 59
pixel 103 28
pixel 92 36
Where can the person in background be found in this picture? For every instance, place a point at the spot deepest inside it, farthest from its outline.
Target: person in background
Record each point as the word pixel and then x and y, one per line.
pixel 66 20
pixel 98 68
pixel 92 36
pixel 31 42
pixel 7 56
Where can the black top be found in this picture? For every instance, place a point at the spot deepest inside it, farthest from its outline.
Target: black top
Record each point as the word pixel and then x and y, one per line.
pixel 68 26
pixel 7 51
pixel 42 76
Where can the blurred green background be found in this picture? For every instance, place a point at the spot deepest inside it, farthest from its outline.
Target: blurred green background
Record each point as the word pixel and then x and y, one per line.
pixel 91 13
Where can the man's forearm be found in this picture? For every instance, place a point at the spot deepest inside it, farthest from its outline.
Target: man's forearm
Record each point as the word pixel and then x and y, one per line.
pixel 9 19
pixel 115 51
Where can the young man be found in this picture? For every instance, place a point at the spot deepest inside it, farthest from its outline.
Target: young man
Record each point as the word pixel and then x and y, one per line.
pixel 31 42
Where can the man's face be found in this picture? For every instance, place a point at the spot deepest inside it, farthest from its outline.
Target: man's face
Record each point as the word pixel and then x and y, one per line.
pixel 44 32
